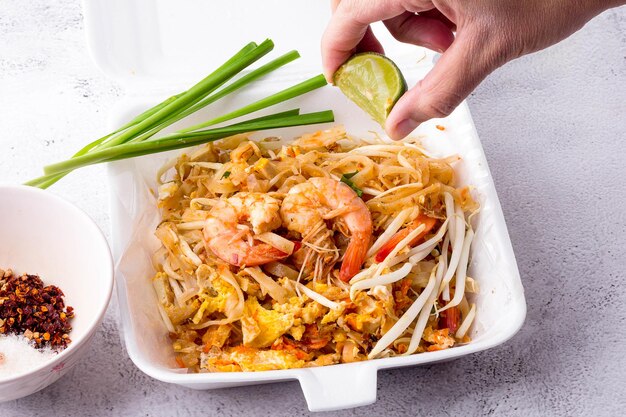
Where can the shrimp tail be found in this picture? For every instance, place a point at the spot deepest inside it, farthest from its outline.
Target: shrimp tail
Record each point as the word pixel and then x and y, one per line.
pixel 386 249
pixel 239 253
pixel 263 254
pixel 450 319
pixel 354 257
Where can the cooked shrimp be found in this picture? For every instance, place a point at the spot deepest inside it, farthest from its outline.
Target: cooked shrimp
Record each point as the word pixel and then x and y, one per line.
pixel 308 204
pixel 300 214
pixel 227 229
pixel 422 219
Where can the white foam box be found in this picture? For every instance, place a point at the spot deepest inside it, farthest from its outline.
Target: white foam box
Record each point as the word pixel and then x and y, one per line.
pixel 157 48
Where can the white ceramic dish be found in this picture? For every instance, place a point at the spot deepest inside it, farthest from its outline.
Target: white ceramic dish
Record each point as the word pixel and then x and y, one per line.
pixel 145 46
pixel 43 234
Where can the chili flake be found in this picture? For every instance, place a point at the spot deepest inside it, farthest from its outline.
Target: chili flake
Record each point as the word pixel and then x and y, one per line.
pixel 37 312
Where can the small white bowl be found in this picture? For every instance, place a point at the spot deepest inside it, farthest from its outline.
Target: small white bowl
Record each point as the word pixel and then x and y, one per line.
pixel 40 233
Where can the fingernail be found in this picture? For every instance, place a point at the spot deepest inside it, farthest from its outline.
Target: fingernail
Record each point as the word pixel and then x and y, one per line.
pixel 404 128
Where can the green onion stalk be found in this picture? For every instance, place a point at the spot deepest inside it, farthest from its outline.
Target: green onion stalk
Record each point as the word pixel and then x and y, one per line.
pixel 135 138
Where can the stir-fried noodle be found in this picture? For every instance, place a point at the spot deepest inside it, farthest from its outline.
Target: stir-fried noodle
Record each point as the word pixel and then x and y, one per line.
pixel 326 250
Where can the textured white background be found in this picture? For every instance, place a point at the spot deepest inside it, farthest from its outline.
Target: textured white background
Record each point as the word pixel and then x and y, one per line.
pixel 554 131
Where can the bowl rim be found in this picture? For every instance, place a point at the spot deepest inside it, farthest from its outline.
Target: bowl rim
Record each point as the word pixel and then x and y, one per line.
pixel 100 241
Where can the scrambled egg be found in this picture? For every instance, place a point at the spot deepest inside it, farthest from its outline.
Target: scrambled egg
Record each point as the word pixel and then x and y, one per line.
pixel 216 335
pixel 221 297
pixel 304 311
pixel 249 359
pixel 262 327
pixel 265 360
pixel 440 339
pixel 312 311
pixel 368 316
pixel 329 291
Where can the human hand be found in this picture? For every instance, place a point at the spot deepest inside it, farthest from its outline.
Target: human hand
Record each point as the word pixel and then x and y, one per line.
pixel 489 33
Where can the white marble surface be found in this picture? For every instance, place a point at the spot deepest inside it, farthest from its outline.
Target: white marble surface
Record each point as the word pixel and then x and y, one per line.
pixel 554 130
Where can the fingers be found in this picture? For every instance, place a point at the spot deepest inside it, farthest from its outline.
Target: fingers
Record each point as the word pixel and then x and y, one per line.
pixel 349 25
pixel 436 14
pixel 465 63
pixel 431 33
pixel 370 43
pixel 461 68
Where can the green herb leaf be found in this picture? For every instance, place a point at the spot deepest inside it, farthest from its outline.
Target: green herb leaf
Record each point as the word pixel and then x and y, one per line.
pixel 345 178
pixel 226 174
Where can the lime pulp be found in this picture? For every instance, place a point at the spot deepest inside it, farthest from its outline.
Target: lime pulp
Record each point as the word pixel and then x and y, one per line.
pixel 373 82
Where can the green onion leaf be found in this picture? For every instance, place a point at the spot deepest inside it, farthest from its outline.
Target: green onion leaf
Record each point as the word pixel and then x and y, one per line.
pixel 241 82
pixel 210 83
pixel 345 178
pixel 131 140
pixel 286 94
pixel 183 140
pixel 114 137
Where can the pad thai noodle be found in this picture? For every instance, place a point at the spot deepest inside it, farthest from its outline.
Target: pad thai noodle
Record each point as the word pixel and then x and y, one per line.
pixel 327 249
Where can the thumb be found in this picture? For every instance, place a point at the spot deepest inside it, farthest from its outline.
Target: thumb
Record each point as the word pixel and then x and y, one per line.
pixel 459 70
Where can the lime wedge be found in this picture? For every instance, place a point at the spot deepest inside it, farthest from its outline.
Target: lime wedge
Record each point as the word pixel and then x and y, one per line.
pixel 373 82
